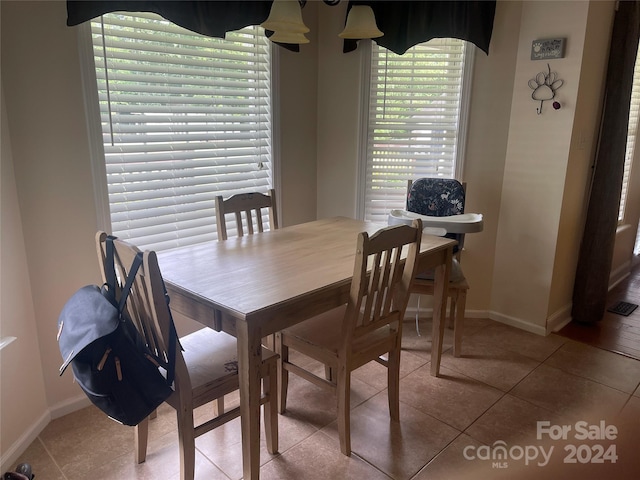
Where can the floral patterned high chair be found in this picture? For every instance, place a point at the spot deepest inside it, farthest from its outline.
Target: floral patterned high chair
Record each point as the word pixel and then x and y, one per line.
pixel 442 197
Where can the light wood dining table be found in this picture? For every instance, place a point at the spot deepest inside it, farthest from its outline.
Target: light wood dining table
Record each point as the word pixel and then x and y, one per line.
pixel 256 285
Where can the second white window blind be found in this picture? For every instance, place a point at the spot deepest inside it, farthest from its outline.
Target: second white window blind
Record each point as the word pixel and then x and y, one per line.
pixel 415 111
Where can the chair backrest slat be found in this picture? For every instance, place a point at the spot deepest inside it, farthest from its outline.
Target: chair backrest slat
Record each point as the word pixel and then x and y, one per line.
pixel 381 280
pixel 251 204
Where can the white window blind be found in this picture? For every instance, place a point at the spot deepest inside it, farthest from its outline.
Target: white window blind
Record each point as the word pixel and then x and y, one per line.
pixel 184 118
pixel 416 111
pixel 634 114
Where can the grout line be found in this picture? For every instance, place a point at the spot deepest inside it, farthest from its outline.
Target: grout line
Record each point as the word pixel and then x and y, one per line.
pixel 53 459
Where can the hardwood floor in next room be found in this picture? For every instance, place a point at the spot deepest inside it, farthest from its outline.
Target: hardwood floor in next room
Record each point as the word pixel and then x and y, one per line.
pixel 615 333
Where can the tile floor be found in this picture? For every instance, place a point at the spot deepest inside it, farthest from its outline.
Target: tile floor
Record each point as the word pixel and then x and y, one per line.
pixel 451 427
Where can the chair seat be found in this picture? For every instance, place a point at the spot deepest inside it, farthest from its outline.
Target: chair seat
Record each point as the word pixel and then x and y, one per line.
pixel 324 332
pixel 212 359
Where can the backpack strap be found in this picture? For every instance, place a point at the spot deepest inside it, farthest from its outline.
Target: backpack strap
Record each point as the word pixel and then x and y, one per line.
pixel 131 276
pixel 110 271
pixel 173 338
pixel 126 289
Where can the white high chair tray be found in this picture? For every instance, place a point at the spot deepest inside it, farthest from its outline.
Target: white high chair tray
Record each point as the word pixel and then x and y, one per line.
pixel 464 223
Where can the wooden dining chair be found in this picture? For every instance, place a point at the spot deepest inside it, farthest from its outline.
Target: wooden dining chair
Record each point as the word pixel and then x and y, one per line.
pixel 367 327
pixel 442 197
pixel 251 204
pixel 206 366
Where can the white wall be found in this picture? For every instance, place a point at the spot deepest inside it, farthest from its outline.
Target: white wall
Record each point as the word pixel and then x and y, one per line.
pixel 536 169
pixel 23 402
pixel 297 141
pixel 484 161
pixel 44 105
pixel 338 110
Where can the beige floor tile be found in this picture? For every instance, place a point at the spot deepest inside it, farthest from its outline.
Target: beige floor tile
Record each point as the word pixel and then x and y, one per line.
pixel 317 406
pixel 489 363
pixel 85 440
pixel 453 398
pixel 318 457
pixel 375 374
pixel 630 414
pixel 457 461
pixel 162 464
pixel 475 325
pixel 511 420
pixel 637 392
pixel 608 368
pixel 536 347
pixel 420 345
pixel 42 464
pixel 627 443
pixel 452 462
pixel 223 446
pixel 570 395
pixel 399 449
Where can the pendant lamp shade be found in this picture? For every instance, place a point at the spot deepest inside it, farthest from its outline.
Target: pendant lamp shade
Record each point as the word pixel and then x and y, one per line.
pixel 285 17
pixel 288 37
pixel 361 23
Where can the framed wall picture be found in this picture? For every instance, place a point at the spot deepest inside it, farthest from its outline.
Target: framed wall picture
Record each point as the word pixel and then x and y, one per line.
pixel 546 49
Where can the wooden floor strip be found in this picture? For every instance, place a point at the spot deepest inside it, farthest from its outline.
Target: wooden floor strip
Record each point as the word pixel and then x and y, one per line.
pixel 615 332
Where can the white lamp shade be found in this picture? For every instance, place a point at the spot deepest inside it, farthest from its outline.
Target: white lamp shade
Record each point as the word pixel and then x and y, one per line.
pixel 285 16
pixel 281 36
pixel 361 23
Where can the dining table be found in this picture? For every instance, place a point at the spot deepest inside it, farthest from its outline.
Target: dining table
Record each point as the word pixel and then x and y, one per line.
pixel 255 285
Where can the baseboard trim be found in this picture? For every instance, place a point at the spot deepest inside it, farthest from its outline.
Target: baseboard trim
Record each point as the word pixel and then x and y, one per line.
pixel 619 274
pixel 11 455
pixel 518 323
pixel 559 319
pixel 498 317
pixel 69 406
pixel 410 313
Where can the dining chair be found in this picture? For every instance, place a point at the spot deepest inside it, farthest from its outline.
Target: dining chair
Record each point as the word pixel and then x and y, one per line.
pixel 251 204
pixel 364 329
pixel 441 197
pixel 206 367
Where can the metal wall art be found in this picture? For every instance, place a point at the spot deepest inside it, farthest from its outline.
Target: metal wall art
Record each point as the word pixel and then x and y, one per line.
pixel 544 87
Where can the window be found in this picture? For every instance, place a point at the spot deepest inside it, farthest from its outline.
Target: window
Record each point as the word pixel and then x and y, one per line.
pixel 634 113
pixel 417 115
pixel 184 118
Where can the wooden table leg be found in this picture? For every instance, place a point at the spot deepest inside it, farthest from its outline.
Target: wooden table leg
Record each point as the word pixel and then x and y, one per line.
pixel 249 361
pixel 439 311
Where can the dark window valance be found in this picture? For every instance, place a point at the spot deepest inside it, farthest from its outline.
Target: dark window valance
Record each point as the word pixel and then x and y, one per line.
pixel 211 18
pixel 405 23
